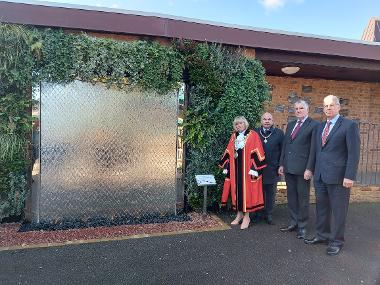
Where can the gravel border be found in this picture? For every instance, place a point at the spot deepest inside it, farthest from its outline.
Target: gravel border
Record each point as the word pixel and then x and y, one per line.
pixel 11 238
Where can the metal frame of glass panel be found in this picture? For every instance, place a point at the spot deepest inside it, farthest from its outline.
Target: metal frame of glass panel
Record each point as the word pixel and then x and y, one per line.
pixel 104 152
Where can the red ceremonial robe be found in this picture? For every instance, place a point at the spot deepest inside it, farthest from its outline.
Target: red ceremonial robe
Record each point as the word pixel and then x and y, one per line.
pixel 246 192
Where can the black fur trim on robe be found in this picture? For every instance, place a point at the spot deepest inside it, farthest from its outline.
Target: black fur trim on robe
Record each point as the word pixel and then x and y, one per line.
pixel 258 164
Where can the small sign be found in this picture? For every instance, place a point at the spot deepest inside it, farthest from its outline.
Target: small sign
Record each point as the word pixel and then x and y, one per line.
pixel 204 180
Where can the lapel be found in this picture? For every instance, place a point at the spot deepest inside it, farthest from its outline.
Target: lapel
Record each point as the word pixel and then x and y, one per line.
pixel 321 126
pixel 290 128
pixel 304 125
pixel 334 129
pixel 273 131
pixel 272 137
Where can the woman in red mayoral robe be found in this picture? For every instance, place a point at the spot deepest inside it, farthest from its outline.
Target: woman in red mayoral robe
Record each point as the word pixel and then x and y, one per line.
pixel 242 163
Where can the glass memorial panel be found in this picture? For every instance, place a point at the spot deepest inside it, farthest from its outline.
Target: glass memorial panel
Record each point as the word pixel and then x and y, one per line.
pixel 105 152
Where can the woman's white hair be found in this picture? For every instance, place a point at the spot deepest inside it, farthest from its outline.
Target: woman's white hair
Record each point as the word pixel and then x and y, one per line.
pixel 240 119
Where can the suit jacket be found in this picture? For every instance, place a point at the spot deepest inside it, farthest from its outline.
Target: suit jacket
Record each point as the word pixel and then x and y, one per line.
pixel 272 149
pixel 299 154
pixel 339 157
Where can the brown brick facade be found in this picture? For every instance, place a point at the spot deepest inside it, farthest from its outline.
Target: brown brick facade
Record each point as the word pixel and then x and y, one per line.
pixel 359 101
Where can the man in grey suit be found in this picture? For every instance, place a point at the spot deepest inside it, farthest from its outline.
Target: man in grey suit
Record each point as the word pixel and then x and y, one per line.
pixel 297 163
pixel 337 159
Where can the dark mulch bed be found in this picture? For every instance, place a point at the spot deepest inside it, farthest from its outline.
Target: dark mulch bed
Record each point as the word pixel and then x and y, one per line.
pixel 103 222
pixel 25 235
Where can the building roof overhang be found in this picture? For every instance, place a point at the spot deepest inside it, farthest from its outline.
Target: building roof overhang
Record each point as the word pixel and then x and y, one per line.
pixel 318 57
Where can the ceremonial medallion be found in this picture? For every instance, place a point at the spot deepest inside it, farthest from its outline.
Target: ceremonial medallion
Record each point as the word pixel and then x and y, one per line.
pixel 265 137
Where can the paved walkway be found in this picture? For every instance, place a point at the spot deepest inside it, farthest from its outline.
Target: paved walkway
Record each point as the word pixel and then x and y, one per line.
pixel 259 255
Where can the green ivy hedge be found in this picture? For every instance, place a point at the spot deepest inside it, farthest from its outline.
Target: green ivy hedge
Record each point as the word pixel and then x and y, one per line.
pixel 17 66
pixel 222 83
pixel 137 64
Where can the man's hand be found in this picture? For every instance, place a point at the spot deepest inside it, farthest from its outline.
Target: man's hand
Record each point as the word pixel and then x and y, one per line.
pixel 281 170
pixel 348 183
pixel 307 174
pixel 225 171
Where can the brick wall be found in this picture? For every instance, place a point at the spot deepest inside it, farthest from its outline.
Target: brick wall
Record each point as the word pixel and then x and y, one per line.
pixel 359 101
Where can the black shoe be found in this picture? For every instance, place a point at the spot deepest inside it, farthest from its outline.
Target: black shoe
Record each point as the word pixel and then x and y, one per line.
pixel 316 240
pixel 301 233
pixel 269 220
pixel 333 249
pixel 290 228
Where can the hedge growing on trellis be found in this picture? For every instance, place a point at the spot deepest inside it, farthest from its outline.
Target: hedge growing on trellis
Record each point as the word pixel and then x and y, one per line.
pixel 222 84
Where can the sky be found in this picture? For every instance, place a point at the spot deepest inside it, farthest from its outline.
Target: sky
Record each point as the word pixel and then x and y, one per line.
pixel 332 18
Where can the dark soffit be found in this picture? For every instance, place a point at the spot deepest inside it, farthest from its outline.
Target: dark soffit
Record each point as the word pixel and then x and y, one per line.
pixel 320 66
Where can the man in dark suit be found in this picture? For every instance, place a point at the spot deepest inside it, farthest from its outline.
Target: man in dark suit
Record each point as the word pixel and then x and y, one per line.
pixel 297 163
pixel 271 139
pixel 337 159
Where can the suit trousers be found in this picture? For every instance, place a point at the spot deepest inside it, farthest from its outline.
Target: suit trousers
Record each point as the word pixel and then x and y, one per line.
pixel 269 197
pixel 332 200
pixel 298 194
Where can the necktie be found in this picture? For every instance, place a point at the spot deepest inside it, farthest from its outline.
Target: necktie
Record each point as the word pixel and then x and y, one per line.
pixel 296 129
pixel 325 133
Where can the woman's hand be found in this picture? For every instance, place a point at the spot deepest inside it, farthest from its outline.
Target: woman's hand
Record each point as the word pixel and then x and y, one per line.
pixel 225 171
pixel 253 173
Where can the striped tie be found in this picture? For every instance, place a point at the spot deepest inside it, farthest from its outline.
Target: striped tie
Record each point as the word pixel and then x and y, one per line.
pixel 296 129
pixel 325 133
